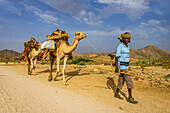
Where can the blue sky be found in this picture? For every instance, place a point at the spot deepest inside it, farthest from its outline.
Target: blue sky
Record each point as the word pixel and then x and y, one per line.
pixel 102 20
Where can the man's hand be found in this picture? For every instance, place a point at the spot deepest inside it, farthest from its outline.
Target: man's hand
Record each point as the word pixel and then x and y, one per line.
pixel 116 69
pixel 114 64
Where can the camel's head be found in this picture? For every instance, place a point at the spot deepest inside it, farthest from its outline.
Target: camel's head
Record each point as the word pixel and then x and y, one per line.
pixel 80 35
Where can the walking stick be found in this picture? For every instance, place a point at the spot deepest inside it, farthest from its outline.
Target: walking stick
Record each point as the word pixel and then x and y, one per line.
pixel 122 72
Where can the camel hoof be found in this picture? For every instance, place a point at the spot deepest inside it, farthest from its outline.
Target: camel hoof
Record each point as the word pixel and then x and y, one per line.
pixel 65 84
pixel 50 79
pixel 33 73
pixel 55 79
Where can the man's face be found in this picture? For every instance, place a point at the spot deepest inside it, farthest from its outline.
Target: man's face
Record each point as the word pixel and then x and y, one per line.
pixel 127 40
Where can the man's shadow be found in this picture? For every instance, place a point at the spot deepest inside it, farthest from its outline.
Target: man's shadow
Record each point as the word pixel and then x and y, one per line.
pixel 111 85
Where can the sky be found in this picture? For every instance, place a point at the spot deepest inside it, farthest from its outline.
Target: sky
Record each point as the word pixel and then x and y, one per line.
pixel 103 21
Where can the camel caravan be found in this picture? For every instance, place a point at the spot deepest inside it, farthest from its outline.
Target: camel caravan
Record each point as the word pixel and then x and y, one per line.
pixel 56 46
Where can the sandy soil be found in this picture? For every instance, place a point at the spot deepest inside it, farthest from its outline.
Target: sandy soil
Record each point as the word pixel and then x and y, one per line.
pixel 88 91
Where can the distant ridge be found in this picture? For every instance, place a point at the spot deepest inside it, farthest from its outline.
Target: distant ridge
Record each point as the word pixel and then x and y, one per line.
pixel 9 53
pixel 84 55
pixel 151 51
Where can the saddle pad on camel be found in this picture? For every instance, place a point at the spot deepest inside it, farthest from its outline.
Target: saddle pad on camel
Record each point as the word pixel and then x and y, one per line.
pixel 48 45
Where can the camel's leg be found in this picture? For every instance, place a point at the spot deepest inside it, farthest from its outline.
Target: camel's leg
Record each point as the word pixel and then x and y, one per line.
pixel 63 71
pixel 58 68
pixel 29 66
pixel 31 69
pixel 34 63
pixel 51 67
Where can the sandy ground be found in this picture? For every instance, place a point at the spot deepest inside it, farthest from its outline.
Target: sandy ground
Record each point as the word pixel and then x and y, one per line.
pixel 87 92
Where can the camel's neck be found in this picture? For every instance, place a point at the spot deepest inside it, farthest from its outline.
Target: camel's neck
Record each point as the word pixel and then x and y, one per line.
pixel 37 52
pixel 72 47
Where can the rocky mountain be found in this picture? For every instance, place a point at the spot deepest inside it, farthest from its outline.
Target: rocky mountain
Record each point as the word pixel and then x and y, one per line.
pixel 151 51
pixel 9 53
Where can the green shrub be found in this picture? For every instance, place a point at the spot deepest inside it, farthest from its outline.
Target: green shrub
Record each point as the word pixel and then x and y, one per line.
pixel 149 61
pixel 111 56
pixel 78 60
pixel 42 63
pixel 81 64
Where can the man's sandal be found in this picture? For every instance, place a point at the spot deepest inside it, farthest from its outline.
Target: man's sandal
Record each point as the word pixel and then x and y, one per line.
pixel 118 96
pixel 132 100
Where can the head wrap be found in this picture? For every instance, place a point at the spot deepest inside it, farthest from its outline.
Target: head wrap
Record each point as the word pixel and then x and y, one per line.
pixel 126 35
pixel 120 37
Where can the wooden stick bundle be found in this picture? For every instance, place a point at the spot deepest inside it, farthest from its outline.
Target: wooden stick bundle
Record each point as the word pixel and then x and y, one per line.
pixel 122 72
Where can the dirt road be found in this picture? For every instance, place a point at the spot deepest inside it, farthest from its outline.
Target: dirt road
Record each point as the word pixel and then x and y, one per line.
pixel 20 94
pixel 89 92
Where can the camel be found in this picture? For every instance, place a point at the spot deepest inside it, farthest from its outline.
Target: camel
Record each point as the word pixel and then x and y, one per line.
pixel 32 59
pixel 55 36
pixel 63 50
pixel 34 54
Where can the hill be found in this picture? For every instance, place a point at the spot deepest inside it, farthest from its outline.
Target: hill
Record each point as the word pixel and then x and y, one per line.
pixel 9 53
pixel 151 51
pixel 84 55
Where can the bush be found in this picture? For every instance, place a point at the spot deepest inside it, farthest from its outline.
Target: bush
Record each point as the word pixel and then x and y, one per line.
pixel 78 60
pixel 42 63
pixel 81 64
pixel 111 56
pixel 149 61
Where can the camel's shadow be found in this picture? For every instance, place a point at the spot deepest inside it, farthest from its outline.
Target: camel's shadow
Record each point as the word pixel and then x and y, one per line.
pixel 111 85
pixel 68 75
pixel 44 71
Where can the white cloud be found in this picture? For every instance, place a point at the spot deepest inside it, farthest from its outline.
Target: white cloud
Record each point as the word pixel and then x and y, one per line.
pixel 44 16
pixel 90 18
pixel 163 30
pixel 154 22
pixel 143 24
pixel 158 12
pixel 132 8
pixel 151 22
pixel 154 29
pixel 77 9
pixel 9 6
pixel 128 3
pixel 157 25
pixel 68 6
pixel 115 32
pixel 140 35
